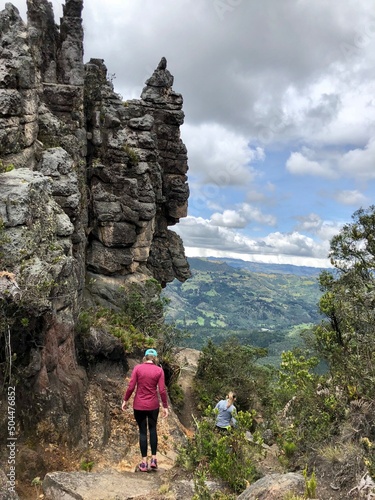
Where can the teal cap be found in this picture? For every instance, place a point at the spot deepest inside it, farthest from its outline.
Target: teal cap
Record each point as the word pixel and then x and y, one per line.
pixel 151 352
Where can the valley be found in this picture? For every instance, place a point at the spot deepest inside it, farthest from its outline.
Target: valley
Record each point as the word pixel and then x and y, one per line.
pixel 263 305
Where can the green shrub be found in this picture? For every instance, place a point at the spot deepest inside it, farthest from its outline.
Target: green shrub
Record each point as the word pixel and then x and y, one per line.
pixel 87 465
pixel 310 484
pixel 177 396
pixel 6 168
pixel 230 456
pixel 231 366
pixel 311 409
pixel 138 322
pixel 132 155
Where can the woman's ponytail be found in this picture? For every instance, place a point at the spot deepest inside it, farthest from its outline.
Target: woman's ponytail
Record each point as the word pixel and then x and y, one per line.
pixel 230 398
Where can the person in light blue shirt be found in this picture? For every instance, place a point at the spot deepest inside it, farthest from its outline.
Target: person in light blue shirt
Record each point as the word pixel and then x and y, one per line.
pixel 226 412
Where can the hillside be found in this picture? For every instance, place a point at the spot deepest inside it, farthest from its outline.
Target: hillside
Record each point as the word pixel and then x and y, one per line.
pixel 266 307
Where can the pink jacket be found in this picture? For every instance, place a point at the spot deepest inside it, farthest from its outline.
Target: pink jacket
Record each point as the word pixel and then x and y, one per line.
pixel 148 378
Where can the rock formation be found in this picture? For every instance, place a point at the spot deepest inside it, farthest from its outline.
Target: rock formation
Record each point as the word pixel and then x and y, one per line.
pixel 89 186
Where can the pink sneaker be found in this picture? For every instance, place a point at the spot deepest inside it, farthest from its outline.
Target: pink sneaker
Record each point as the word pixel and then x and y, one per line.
pixel 143 467
pixel 154 463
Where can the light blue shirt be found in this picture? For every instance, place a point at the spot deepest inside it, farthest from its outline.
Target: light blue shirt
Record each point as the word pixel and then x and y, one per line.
pixel 225 417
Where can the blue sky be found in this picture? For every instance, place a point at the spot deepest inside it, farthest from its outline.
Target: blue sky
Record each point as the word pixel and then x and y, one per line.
pixel 279 101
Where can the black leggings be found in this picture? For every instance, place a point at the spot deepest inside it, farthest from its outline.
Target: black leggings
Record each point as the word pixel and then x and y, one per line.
pixel 150 417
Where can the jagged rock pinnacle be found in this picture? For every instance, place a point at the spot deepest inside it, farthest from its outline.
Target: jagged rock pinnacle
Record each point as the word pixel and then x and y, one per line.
pixel 162 64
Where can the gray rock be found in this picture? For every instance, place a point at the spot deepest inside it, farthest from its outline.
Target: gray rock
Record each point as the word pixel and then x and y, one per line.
pixel 112 485
pixel 63 225
pixel 96 184
pixel 274 487
pixel 7 487
pixel 144 123
pixel 97 485
pixel 10 102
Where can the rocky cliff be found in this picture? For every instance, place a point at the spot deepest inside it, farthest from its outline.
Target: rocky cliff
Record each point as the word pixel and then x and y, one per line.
pixel 89 186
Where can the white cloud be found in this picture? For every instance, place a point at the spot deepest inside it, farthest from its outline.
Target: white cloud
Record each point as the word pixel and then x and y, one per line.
pixel 198 233
pixel 357 164
pixel 310 223
pixel 298 164
pixel 328 230
pixel 229 218
pixel 351 197
pixel 315 225
pixel 241 217
pixel 360 162
pixel 253 214
pixel 219 156
pixel 295 244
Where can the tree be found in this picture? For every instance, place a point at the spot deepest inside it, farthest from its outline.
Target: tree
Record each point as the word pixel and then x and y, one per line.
pixel 346 339
pixel 231 366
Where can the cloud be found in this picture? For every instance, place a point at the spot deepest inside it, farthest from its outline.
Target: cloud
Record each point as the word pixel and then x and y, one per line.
pixel 351 197
pixel 295 244
pixel 255 194
pixel 310 223
pixel 360 162
pixel 241 217
pixel 299 164
pixel 198 233
pixel 229 218
pixel 357 164
pixel 288 84
pixel 315 225
pixel 219 156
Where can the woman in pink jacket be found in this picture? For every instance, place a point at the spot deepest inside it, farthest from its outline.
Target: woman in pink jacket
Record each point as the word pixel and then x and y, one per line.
pixel 148 379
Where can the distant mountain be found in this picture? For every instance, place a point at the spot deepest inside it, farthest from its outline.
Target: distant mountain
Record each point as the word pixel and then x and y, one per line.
pixel 261 306
pixel 259 267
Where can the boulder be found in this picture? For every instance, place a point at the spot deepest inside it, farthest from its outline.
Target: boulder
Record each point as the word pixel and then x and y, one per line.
pixel 275 487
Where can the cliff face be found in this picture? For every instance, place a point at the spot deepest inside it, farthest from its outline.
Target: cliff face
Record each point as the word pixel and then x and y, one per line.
pixel 89 186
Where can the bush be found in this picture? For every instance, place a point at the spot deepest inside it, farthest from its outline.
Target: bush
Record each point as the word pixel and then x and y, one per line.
pixel 232 366
pixel 177 396
pixel 230 456
pixel 6 168
pixel 310 408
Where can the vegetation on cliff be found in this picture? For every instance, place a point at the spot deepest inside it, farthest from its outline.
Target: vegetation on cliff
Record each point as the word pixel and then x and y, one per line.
pixel 322 420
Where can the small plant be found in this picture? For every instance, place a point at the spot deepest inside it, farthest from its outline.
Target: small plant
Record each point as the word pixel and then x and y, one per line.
pixel 6 168
pixel 37 483
pixel 85 321
pixel 310 484
pixel 3 239
pixel 369 456
pixel 289 449
pixel 132 155
pixel 96 162
pixel 164 489
pixel 87 465
pixel 339 453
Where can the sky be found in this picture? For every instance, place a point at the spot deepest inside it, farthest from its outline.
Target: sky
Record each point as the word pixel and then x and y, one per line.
pixel 279 100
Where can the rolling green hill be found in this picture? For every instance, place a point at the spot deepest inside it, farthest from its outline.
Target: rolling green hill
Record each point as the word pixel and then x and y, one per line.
pixel 263 308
